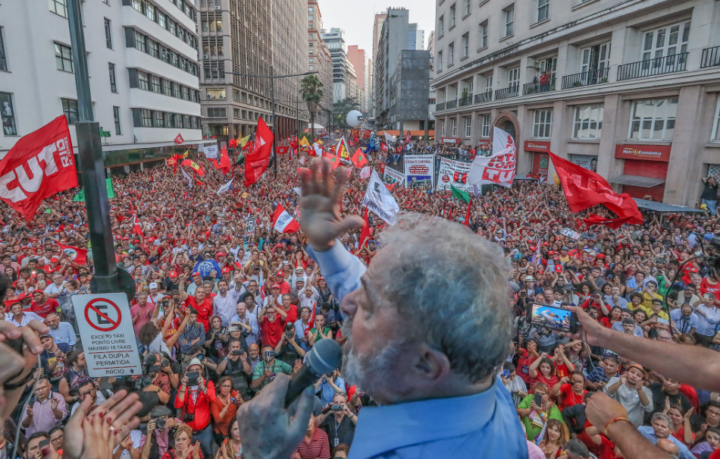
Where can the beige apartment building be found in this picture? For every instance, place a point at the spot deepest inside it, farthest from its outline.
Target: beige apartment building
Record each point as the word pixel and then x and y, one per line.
pixel 319 60
pixel 248 37
pixel 626 88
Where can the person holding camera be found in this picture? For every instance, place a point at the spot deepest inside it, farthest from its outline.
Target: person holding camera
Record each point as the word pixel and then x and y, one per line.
pixel 265 371
pixel 338 421
pixel 287 349
pixel 155 380
pixel 236 366
pixel 216 339
pixel 194 398
pixel 224 408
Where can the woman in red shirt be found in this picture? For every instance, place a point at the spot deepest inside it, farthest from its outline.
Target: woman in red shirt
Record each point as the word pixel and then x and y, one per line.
pixel 615 316
pixel 542 370
pixel 527 357
pixel 681 423
pixel 571 390
pixel 184 448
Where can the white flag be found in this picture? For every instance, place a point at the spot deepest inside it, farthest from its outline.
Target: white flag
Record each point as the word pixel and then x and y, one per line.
pixel 225 187
pixel 389 138
pixel 498 169
pixel 318 150
pixel 365 172
pixel 298 191
pixel 187 177
pixel 379 199
pixel 211 151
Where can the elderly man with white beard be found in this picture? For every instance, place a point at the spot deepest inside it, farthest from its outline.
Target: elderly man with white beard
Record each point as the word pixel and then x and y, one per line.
pixel 428 328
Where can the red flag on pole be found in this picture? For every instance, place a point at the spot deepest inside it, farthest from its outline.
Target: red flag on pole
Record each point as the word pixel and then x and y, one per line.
pixel 225 161
pixel 256 163
pixel 137 228
pixel 46 155
pixel 359 159
pixel 179 139
pixel 365 232
pixel 77 255
pixel 334 160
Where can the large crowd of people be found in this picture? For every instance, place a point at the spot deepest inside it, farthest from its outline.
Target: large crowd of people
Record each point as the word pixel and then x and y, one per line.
pixel 224 304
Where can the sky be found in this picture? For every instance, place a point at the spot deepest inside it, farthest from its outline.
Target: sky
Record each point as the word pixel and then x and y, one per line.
pixel 357 17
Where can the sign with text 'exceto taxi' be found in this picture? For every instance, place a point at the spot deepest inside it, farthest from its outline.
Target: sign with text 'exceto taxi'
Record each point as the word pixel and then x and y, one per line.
pixel 107 334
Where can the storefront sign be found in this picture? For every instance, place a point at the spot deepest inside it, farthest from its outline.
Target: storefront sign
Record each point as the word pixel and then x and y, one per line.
pixel 537 146
pixel 643 152
pixel 453 140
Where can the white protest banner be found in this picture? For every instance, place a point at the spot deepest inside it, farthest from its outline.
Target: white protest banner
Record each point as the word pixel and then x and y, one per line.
pixel 225 187
pixel 187 177
pixel 419 170
pixel 250 225
pixel 379 200
pixel 107 334
pixel 570 233
pixel 211 151
pixel 391 176
pixel 498 169
pixel 453 173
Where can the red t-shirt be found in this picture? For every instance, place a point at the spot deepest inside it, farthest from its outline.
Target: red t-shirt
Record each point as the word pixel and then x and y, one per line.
pixel 569 398
pixel 607 449
pixel 706 286
pixel 523 366
pixel 272 331
pixel 292 314
pixel 550 382
pixel 50 305
pixel 204 309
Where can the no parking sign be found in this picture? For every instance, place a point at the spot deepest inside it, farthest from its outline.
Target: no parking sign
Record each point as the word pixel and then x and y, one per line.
pixel 107 334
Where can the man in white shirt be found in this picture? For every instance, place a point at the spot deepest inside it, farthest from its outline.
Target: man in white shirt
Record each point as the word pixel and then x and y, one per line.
pixel 245 319
pixel 155 296
pixel 62 332
pixel 56 288
pixel 225 302
pixel 308 297
pixel 20 318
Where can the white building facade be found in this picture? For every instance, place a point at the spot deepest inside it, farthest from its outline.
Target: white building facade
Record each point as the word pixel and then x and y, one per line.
pixel 629 89
pixel 143 66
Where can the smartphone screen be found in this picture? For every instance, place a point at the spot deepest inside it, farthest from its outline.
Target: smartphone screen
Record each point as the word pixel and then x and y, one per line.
pixel 552 318
pixel 538 399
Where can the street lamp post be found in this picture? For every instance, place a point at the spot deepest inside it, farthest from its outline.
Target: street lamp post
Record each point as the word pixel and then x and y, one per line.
pixel 272 78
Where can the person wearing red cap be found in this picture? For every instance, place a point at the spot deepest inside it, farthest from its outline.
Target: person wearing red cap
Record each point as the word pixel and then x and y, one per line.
pixel 284 285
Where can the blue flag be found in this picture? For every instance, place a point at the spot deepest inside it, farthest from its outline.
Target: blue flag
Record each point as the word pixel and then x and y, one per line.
pixel 204 267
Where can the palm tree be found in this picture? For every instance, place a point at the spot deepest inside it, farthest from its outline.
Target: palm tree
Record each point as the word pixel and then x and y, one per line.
pixel 312 94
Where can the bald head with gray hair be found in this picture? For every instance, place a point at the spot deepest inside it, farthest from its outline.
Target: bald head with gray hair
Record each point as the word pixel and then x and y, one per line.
pixel 450 286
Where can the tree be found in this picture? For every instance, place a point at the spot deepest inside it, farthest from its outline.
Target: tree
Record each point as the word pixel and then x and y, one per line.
pixel 312 93
pixel 342 108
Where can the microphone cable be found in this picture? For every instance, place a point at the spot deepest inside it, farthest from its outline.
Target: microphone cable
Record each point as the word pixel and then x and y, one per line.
pixel 24 407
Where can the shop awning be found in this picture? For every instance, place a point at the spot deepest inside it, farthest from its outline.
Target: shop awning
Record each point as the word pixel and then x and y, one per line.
pixel 636 180
pixel 665 208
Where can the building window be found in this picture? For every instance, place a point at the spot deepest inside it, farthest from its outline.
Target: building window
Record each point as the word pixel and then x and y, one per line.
pixel 186 122
pixel 140 42
pixel 159 120
pixel 3 59
pixel 177 91
pixel 143 81
pixel 666 41
pixel 542 124
pixel 70 109
pixel 146 118
pixel 152 48
pixel 150 11
pixel 509 20
pixel 653 119
pixel 453 125
pixel 452 16
pixel 216 112
pixel 485 125
pixel 156 85
pixel 484 35
pixel 716 124
pixel 441 26
pixel 543 10
pixel 161 19
pixel 137 5
pixel 514 78
pixel 7 112
pixel 466 44
pixel 488 84
pixel 451 54
pixel 116 116
pixel 440 61
pixel 167 88
pixel 467 7
pixel 59 7
pixel 108 34
pixel 113 82
pixel 468 126
pixel 63 58
pixel 215 93
pixel 185 93
pixel 587 122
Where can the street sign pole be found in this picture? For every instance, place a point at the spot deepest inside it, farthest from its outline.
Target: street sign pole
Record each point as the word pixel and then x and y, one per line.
pixel 105 278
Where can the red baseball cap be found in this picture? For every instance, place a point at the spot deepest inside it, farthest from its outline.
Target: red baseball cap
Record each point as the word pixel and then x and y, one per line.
pixel 220 254
pixel 226 270
pixel 53 260
pixel 276 285
pixel 558 268
pixel 196 274
pixel 280 274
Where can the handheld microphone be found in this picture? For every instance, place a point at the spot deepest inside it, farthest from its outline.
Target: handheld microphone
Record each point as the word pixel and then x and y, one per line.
pixel 325 357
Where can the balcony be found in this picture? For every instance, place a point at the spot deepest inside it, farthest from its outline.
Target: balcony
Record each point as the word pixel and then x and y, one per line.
pixel 710 57
pixel 466 100
pixel 440 107
pixel 506 93
pixel 534 88
pixel 451 104
pixel 483 97
pixel 591 77
pixel 658 66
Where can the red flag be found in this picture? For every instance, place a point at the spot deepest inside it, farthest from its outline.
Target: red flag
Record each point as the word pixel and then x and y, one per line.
pixel 257 162
pixel 225 165
pixel 137 229
pixel 179 139
pixel 46 155
pixel 194 166
pixel 384 147
pixel 390 187
pixel 301 170
pixel 334 160
pixel 359 159
pixel 283 222
pixel 610 223
pixel 283 150
pixel 365 232
pixel 467 217
pixel 214 162
pixel 584 188
pixel 77 255
pixel 233 143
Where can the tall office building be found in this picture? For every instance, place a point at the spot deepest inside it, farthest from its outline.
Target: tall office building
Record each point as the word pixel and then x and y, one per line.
pixel 356 56
pixel 320 61
pixel 369 90
pixel 377 29
pixel 142 61
pixel 258 35
pixel 335 40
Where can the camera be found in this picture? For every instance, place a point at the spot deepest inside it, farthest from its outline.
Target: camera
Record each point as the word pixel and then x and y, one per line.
pixel 232 328
pixel 160 423
pixel 188 418
pixel 165 363
pixel 336 407
pixel 193 377
pixel 238 352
